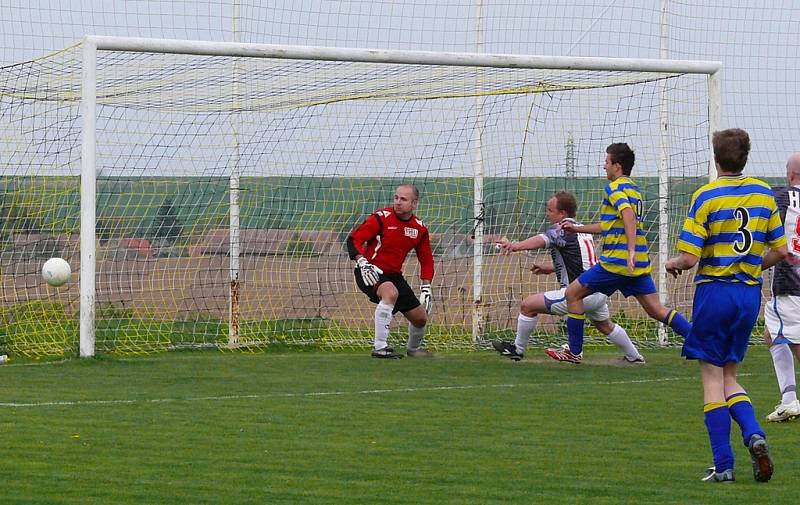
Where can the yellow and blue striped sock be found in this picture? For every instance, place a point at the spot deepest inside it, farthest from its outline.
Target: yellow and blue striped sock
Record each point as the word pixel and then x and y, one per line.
pixel 718 424
pixel 678 323
pixel 742 412
pixel 575 323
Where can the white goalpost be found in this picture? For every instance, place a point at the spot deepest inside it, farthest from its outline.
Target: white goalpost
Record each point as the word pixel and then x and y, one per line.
pixel 218 180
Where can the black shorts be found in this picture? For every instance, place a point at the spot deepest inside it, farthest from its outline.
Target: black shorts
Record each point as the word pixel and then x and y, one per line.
pixel 406 299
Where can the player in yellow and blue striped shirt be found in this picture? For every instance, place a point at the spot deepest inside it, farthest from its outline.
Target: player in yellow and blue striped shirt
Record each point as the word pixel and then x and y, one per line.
pixel 620 194
pixel 731 223
pixel 624 263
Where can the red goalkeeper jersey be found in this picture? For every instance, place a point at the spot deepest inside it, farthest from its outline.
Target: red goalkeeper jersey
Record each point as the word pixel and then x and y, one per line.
pixel 385 240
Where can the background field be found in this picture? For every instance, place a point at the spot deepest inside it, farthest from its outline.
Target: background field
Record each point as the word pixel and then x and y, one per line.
pixel 295 277
pixel 210 427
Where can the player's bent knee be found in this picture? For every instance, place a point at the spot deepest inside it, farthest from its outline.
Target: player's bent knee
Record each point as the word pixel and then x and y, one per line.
pixel 575 291
pixel 417 316
pixel 388 292
pixel 605 327
pixel 529 307
pixel 390 298
pixel 570 295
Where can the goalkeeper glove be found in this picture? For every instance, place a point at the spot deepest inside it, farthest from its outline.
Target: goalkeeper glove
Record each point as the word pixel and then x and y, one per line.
pixel 369 272
pixel 426 298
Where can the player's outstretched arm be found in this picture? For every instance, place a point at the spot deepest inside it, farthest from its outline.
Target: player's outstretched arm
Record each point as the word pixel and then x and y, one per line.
pixel 629 222
pixel 529 244
pixel 542 269
pixel 594 228
pixel 774 256
pixel 684 261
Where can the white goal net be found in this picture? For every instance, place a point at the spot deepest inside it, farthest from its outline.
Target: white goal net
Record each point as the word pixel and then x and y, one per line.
pixel 224 179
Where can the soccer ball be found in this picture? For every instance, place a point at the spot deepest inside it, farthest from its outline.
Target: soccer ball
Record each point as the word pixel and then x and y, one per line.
pixel 56 271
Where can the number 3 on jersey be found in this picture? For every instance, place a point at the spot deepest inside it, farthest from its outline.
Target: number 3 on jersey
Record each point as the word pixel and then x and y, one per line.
pixel 745 240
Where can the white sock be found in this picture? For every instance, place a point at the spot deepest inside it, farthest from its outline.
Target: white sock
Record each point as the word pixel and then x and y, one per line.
pixel 620 338
pixel 783 361
pixel 415 337
pixel 383 316
pixel 525 326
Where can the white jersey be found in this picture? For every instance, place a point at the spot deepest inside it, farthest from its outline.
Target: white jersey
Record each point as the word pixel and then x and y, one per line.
pixel 786 274
pixel 572 253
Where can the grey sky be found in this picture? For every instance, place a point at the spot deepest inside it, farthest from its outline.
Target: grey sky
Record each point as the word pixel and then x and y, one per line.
pixel 756 44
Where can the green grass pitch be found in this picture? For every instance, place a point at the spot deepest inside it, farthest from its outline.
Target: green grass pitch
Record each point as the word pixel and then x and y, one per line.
pixel 320 428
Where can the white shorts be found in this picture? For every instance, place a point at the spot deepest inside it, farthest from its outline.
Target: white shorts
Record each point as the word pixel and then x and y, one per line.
pixel 782 315
pixel 595 305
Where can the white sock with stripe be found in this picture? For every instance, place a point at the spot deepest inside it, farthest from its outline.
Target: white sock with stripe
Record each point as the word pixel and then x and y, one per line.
pixel 383 316
pixel 620 338
pixel 525 327
pixel 415 336
pixel 783 361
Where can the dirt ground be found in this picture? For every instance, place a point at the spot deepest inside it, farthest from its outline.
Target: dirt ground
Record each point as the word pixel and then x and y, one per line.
pixel 291 287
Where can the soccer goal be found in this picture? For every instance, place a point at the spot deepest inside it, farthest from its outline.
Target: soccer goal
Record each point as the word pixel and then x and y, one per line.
pixel 202 192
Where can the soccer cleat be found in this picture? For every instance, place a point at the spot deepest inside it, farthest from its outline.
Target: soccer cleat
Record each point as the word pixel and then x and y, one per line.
pixel 712 475
pixel 507 349
pixel 785 412
pixel 419 353
pixel 759 456
pixel 639 360
pixel 386 353
pixel 564 354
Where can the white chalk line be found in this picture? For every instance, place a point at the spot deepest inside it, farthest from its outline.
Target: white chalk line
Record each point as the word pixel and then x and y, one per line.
pixel 318 394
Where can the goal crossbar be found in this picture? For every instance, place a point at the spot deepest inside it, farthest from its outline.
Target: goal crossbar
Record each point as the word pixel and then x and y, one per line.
pixel 204 48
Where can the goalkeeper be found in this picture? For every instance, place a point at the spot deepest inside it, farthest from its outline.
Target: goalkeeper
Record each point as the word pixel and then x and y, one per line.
pixel 379 246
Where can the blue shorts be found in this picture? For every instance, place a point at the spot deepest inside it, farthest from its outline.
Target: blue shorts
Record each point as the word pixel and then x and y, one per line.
pixel 598 279
pixel 723 316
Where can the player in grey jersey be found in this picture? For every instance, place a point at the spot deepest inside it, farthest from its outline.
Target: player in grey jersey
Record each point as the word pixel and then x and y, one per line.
pixel 782 310
pixel 572 253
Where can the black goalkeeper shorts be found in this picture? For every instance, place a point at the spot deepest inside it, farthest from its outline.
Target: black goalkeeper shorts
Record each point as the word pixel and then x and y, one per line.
pixel 406 299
